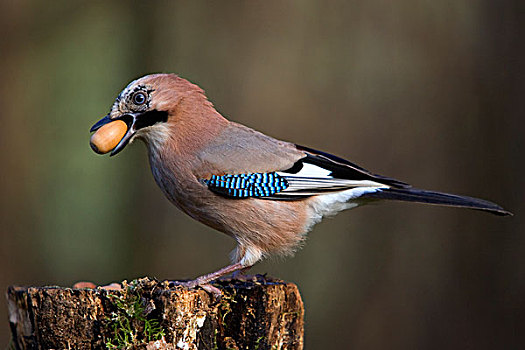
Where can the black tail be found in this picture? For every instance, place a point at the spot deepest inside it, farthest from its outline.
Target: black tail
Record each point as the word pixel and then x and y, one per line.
pixel 437 198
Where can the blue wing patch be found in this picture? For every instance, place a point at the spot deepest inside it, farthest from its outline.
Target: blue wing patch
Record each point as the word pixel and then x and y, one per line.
pixel 247 185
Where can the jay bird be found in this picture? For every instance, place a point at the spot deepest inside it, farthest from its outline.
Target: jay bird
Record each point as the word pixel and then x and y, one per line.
pixel 263 192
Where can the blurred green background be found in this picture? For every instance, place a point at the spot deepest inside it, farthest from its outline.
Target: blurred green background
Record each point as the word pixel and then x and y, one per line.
pixel 430 92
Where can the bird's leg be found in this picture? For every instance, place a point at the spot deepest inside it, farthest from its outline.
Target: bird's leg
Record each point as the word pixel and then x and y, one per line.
pixel 219 273
pixel 241 274
pixel 236 275
pixel 204 281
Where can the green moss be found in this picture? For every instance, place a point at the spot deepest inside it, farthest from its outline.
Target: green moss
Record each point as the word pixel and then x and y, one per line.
pixel 215 345
pixel 11 345
pixel 130 323
pixel 258 342
pixel 225 304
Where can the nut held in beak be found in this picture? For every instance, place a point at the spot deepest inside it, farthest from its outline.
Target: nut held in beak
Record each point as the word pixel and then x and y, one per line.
pixel 108 136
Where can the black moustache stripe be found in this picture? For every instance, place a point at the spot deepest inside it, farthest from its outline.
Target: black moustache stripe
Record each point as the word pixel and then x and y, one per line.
pixel 150 118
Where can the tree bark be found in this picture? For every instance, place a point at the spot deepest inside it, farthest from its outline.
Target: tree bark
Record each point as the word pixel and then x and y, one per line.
pixel 147 314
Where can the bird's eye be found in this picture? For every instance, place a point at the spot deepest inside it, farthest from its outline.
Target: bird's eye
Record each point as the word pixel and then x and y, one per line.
pixel 139 98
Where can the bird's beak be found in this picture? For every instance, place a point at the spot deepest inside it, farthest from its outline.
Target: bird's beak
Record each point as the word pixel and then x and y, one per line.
pixel 101 123
pixel 129 119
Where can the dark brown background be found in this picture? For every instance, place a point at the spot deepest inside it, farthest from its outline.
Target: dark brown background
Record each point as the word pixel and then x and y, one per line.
pixel 430 92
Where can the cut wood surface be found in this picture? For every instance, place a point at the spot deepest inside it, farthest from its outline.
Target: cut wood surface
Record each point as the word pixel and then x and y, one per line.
pixel 147 314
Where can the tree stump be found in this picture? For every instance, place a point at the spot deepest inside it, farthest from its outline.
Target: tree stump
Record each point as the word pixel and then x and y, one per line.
pixel 147 314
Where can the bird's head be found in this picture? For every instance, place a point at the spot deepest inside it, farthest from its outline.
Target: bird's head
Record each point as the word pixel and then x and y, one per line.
pixel 144 109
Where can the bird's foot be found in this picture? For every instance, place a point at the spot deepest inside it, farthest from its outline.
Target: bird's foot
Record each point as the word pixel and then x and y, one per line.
pixel 240 277
pixel 205 280
pixel 212 290
pixel 196 283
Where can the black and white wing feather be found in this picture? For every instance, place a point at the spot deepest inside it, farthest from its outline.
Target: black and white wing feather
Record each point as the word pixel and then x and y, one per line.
pixel 320 173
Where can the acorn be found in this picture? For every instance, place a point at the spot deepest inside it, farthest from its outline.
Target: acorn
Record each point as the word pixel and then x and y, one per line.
pixel 108 136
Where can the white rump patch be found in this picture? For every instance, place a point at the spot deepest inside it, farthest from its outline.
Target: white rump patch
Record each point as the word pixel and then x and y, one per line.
pixel 330 204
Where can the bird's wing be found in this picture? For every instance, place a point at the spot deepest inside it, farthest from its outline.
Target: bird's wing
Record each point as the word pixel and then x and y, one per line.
pixel 241 150
pixel 313 174
pixel 318 173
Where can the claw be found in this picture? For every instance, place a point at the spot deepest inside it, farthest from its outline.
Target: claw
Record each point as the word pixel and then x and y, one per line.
pixel 186 284
pixel 212 290
pixel 195 283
